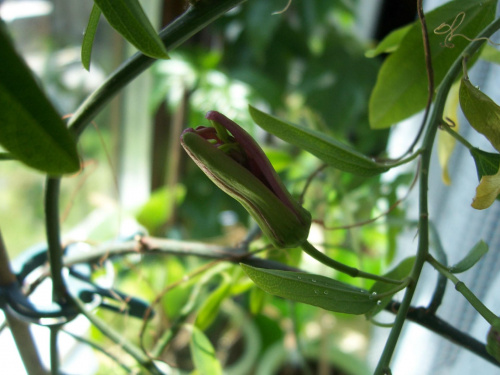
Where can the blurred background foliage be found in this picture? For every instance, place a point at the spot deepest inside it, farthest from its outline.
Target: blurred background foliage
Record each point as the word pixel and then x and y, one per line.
pixel 306 65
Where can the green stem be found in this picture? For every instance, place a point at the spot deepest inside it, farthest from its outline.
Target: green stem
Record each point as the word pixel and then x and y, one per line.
pixel 177 32
pixel 457 136
pixel 404 283
pixel 54 352
pixel 423 245
pixel 55 252
pixel 101 350
pixel 486 313
pixel 351 271
pixel 119 339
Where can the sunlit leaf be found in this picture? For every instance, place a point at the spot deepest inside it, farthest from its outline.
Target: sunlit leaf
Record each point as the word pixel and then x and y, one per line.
pixel 31 129
pixel 128 18
pixel 88 36
pixel 446 142
pixel 324 147
pixel 482 112
pixel 203 353
pixel 401 89
pixel 487 191
pixel 390 43
pixel 401 271
pixel 312 289
pixel 472 257
pixel 160 206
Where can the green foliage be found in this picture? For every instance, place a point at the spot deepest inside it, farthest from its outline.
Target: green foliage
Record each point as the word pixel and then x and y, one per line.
pixel 32 131
pixel 401 88
pixel 315 290
pixel 482 112
pixel 472 257
pixel 327 149
pixel 89 35
pixel 400 272
pixel 307 66
pixel 128 18
pixel 487 163
pixel 203 353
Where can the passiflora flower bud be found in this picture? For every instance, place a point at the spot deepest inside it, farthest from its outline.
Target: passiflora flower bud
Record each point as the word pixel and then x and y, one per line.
pixel 232 159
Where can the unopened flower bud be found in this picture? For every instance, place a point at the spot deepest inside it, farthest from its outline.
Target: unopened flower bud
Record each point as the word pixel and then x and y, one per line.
pixel 232 159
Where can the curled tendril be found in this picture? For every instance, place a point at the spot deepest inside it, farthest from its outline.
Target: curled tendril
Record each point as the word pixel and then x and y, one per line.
pixel 449 31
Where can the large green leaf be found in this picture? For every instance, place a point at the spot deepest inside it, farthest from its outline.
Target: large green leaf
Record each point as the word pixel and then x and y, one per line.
pixel 319 144
pixel 312 289
pixel 401 88
pixel 31 129
pixel 482 112
pixel 128 18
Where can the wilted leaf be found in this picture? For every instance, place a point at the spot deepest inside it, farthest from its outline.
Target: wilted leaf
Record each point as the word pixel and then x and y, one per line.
pixel 482 112
pixel 472 257
pixel 312 289
pixel 446 142
pixel 203 353
pixel 324 147
pixel 128 18
pixel 30 128
pixel 401 89
pixel 487 191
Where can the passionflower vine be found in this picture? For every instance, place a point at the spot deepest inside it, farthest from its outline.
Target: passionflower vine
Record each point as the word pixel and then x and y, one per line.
pixel 232 159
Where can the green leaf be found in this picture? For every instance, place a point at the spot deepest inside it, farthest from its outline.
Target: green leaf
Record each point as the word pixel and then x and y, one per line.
pixel 209 309
pixel 401 271
pixel 390 43
pixel 31 129
pixel 203 353
pixel 319 144
pixel 482 113
pixel 401 89
pixel 88 36
pixel 312 289
pixel 159 208
pixel 471 258
pixel 487 163
pixel 128 18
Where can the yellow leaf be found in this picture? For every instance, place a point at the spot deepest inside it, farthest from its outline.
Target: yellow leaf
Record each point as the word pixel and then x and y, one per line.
pixel 446 143
pixel 487 191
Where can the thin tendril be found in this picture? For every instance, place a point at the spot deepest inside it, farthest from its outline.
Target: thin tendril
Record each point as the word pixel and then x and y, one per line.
pixel 284 9
pixel 449 31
